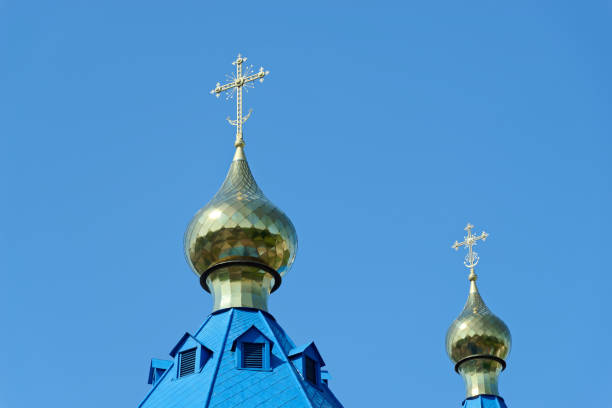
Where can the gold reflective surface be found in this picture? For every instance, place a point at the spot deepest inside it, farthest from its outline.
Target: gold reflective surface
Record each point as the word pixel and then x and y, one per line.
pixel 240 286
pixel 240 223
pixel 480 376
pixel 477 331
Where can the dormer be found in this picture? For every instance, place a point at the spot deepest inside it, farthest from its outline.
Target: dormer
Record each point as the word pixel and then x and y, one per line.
pixel 253 350
pixel 190 356
pixel 308 361
pixel 157 369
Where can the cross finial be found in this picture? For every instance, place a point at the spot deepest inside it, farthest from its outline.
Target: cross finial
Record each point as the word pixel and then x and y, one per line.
pixel 236 82
pixel 471 259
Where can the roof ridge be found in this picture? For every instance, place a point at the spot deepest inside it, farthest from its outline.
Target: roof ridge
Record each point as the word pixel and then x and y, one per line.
pixel 291 367
pixel 220 354
pixel 202 326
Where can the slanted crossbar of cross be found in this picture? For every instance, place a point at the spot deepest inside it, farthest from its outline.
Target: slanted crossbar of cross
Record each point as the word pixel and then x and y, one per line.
pixel 238 82
pixel 470 240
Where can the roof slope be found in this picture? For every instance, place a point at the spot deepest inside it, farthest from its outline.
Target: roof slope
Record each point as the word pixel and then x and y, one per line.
pixel 220 384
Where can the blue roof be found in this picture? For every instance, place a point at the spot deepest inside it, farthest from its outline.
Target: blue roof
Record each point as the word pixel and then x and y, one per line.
pixel 485 401
pixel 220 384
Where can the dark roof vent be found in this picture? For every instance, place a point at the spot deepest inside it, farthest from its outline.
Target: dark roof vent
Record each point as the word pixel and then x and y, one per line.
pixel 187 362
pixel 252 355
pixel 311 370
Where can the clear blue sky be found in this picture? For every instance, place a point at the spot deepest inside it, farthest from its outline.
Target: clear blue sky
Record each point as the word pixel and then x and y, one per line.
pixel 382 129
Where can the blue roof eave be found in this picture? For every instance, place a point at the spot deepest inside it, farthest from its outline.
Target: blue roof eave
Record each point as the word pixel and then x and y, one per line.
pixel 299 350
pixel 182 341
pixel 246 331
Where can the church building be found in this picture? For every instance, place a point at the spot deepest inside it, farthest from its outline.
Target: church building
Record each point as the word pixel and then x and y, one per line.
pixel 241 247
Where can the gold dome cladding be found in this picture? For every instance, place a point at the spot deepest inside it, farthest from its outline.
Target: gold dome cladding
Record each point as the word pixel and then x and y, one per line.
pixel 477 331
pixel 240 223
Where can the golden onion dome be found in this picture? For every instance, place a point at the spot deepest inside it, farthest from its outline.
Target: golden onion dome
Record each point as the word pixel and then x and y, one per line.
pixel 477 341
pixel 477 331
pixel 240 224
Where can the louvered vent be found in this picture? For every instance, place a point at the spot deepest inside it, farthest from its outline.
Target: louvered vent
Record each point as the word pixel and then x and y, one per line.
pixel 311 373
pixel 187 362
pixel 252 355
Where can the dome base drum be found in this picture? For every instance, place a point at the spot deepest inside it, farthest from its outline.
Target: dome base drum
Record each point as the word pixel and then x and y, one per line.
pixel 240 286
pixel 240 283
pixel 480 375
pixel 241 262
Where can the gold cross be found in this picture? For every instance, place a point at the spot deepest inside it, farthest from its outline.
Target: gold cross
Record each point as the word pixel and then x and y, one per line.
pixel 237 82
pixel 471 259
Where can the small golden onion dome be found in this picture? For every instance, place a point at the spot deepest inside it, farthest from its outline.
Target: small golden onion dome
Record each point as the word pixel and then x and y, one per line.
pixel 477 331
pixel 240 224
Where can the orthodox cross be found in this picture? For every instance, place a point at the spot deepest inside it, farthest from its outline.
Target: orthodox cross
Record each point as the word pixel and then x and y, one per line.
pixel 471 259
pixel 234 86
